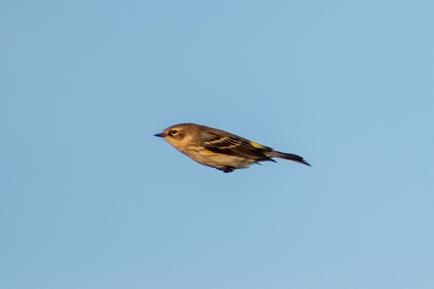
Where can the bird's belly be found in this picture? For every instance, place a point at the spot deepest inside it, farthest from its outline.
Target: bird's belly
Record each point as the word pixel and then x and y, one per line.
pixel 220 161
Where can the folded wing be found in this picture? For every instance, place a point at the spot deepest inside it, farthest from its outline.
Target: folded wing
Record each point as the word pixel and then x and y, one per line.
pixel 229 144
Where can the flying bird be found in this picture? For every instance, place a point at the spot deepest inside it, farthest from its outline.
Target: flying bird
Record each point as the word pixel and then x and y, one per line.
pixel 219 149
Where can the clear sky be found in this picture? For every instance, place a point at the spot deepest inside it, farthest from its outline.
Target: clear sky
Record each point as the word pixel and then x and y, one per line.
pixel 91 199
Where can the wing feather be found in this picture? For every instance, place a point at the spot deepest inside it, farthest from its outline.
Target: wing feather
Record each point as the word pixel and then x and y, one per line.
pixel 230 144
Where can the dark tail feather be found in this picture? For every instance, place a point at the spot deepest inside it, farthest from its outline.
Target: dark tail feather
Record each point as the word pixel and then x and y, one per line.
pixel 289 157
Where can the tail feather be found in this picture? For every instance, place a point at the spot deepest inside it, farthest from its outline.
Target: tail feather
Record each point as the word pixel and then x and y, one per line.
pixel 289 157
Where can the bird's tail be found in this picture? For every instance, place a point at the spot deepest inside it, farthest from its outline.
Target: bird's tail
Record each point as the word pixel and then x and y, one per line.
pixel 289 157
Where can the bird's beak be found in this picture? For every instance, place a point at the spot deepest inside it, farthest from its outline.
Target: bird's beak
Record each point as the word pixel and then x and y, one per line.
pixel 160 134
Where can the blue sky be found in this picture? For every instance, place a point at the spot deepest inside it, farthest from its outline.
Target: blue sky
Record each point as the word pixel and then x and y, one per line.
pixel 90 199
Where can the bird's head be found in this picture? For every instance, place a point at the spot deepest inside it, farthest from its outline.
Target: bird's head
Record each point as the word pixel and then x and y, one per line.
pixel 177 134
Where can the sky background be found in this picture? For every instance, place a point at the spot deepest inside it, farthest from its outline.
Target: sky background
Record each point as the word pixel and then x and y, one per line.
pixel 90 199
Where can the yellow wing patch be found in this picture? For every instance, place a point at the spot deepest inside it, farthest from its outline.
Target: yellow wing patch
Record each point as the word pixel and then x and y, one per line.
pixel 256 145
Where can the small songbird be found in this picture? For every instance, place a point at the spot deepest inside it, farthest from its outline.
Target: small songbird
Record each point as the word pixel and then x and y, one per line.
pixel 219 149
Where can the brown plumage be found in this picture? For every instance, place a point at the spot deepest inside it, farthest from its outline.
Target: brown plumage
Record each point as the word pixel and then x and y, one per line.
pixel 219 149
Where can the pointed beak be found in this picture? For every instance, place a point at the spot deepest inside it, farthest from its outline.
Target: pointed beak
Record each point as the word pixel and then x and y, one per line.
pixel 160 134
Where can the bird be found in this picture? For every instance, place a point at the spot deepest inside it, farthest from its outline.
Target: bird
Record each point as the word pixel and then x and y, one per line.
pixel 220 149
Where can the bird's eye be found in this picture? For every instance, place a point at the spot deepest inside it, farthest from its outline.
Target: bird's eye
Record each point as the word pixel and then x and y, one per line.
pixel 173 132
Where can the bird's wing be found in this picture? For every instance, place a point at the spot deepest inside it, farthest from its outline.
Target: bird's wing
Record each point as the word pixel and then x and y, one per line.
pixel 229 144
